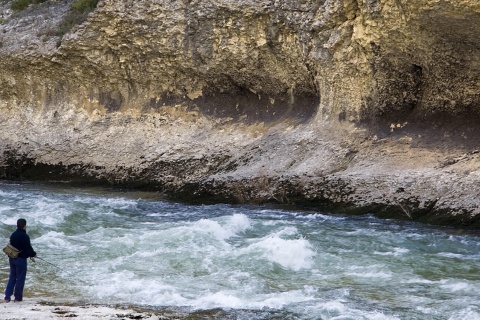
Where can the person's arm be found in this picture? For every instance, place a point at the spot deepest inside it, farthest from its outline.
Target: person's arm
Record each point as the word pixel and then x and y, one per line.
pixel 31 252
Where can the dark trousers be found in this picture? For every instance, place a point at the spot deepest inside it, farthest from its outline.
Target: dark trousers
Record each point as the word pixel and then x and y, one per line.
pixel 16 280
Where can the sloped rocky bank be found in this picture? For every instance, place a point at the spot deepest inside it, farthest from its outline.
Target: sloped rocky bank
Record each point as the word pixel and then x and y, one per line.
pixel 353 106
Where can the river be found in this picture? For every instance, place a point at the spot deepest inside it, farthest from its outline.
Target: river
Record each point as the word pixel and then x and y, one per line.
pixel 254 262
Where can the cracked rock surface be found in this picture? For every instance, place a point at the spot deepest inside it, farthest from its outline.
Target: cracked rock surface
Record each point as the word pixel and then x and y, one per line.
pixel 352 106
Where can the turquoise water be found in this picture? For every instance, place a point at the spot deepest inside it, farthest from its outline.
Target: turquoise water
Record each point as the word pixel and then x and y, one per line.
pixel 262 263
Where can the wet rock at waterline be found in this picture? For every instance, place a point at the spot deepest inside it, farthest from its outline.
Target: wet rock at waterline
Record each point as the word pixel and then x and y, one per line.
pixel 354 106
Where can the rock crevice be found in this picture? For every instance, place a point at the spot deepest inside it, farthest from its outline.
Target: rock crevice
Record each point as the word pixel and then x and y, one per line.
pixel 349 105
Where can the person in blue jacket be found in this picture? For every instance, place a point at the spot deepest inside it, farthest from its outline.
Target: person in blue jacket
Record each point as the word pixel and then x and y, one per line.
pixel 18 266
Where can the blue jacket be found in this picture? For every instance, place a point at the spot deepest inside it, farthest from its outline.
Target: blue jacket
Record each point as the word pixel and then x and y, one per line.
pixel 20 240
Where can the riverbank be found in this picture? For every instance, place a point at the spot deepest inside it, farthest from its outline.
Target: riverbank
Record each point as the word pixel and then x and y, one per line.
pixel 343 106
pixel 38 310
pixel 32 310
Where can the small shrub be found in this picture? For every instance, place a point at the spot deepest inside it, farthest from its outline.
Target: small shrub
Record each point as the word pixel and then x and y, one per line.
pixel 20 4
pixel 84 6
pixel 79 11
pixel 23 4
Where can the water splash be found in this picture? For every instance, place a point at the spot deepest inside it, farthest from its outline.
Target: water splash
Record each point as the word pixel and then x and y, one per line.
pixel 115 248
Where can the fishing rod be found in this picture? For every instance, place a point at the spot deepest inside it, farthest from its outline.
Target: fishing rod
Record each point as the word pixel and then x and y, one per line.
pixel 46 262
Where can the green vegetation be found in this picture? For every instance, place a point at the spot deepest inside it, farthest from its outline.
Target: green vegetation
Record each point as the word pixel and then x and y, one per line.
pixel 79 10
pixel 77 15
pixel 23 4
pixel 84 6
pixel 79 6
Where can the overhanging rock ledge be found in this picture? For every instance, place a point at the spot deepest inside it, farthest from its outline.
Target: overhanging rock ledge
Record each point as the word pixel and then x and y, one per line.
pixel 352 106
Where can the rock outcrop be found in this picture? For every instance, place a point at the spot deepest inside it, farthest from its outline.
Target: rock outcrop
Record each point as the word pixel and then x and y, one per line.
pixel 352 106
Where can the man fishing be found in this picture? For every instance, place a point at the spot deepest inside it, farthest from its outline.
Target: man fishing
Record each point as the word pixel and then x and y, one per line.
pixel 18 266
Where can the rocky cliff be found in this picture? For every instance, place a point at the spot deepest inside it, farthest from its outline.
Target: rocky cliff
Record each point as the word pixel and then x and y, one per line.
pixel 352 106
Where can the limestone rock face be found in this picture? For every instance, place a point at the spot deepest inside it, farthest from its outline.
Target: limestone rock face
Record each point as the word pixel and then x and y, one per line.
pixel 347 105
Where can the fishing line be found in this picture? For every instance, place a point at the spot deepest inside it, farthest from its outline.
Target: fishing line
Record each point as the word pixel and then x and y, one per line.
pixel 47 262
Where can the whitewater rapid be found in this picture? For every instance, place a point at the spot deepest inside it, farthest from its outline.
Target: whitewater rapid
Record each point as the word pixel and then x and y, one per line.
pixel 133 248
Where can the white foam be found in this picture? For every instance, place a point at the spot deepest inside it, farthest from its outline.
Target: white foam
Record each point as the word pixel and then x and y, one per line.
pixel 293 254
pixel 101 206
pixel 110 238
pixel 375 275
pixel 376 315
pixel 233 260
pixel 113 202
pixel 119 203
pixel 319 216
pixel 286 232
pixel 238 223
pixel 125 287
pixel 44 211
pixel 218 299
pixel 451 255
pixel 458 286
pixel 10 194
pixel 420 281
pixel 9 220
pixel 53 239
pixel 335 306
pixel 469 313
pixel 4 208
pixel 395 253
pixel 213 228
pixel 340 310
pixel 223 229
pixel 235 299
pixel 372 271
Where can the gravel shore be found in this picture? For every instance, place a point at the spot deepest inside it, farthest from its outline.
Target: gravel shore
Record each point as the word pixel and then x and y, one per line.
pixel 33 310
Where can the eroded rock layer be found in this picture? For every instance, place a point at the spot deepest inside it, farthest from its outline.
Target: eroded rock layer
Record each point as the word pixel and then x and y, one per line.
pixel 353 106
